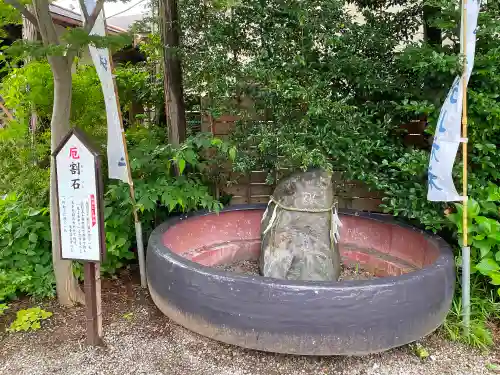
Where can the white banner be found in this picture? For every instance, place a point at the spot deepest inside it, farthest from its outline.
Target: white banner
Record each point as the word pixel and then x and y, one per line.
pixel 117 162
pixel 447 137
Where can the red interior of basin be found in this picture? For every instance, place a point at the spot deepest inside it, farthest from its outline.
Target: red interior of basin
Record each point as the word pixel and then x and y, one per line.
pixel 382 248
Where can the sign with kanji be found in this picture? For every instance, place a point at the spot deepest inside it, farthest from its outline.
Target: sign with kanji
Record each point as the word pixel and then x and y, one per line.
pixel 79 199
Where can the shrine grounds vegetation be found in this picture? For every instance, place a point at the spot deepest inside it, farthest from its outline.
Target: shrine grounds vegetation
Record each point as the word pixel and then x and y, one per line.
pixel 326 91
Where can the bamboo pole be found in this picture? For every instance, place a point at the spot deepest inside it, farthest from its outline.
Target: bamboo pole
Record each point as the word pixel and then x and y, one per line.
pixel 465 248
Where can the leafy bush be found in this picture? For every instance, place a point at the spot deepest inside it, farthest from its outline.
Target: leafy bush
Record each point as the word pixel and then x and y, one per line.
pixel 167 180
pixel 30 88
pixel 483 233
pixel 29 319
pixel 24 164
pixel 332 92
pixel 25 250
pixel 136 83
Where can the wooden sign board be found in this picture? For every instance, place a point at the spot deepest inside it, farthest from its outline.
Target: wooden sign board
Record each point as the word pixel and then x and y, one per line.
pixel 81 219
pixel 79 191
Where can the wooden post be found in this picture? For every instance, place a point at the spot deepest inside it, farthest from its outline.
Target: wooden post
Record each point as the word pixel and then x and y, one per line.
pixel 92 287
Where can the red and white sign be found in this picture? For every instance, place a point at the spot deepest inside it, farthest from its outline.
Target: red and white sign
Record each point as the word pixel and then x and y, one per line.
pixel 78 191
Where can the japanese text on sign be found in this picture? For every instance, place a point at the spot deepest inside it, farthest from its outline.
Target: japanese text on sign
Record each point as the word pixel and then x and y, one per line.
pixel 77 191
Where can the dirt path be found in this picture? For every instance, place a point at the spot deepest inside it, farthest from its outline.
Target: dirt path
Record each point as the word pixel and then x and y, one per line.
pixel 140 340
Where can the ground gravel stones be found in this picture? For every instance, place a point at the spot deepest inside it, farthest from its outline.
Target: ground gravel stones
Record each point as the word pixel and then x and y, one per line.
pixel 140 340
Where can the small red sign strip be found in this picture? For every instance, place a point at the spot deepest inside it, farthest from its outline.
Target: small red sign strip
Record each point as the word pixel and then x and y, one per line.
pixel 93 209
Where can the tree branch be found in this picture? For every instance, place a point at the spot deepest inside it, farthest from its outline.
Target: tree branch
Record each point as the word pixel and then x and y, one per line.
pixel 25 12
pixel 84 11
pixel 46 25
pixel 90 22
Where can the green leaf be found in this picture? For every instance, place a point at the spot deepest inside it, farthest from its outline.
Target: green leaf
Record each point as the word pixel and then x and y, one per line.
pixel 487 225
pixel 456 219
pixel 484 246
pixel 232 153
pixel 216 142
pixel 489 208
pixel 171 205
pixel 33 237
pixel 182 164
pixel 495 278
pixel 107 212
pixel 121 241
pixel 473 208
pixel 494 236
pixel 493 366
pixel 493 193
pixel 487 266
pixel 420 351
pixel 180 202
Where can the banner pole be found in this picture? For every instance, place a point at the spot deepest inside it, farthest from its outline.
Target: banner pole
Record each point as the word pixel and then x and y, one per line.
pixel 465 248
pixel 137 223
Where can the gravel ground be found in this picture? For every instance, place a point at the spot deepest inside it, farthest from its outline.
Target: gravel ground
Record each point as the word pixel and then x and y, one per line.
pixel 140 340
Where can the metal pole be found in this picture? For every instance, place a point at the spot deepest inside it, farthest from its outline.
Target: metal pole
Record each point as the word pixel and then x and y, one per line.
pixel 465 248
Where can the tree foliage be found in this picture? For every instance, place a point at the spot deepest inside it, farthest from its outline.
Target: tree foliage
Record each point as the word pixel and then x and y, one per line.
pixel 331 89
pixel 25 253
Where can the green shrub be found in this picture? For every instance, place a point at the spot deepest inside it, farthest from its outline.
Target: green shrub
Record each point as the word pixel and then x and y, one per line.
pixel 483 233
pixel 29 319
pixel 168 180
pixel 333 93
pixel 24 165
pixel 25 250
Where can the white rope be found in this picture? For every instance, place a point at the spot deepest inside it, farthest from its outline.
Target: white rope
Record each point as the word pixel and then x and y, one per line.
pixel 265 212
pixel 335 222
pixel 271 222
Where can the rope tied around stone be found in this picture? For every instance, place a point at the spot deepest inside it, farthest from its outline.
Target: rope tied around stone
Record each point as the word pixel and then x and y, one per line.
pixel 335 220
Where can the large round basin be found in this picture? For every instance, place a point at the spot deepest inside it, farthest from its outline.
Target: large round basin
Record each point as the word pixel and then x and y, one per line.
pixel 409 299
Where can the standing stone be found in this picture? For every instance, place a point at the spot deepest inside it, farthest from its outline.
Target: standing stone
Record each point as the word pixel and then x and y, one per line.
pixel 297 243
